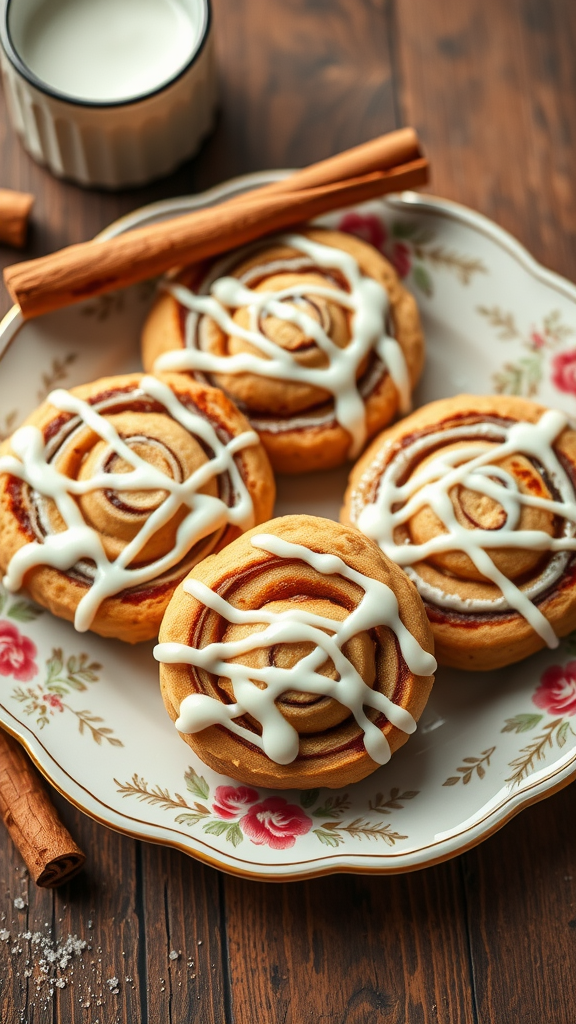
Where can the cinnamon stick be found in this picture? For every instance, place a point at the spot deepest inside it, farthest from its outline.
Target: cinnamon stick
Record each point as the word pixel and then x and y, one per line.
pixel 380 154
pixel 14 210
pixel 93 268
pixel 51 854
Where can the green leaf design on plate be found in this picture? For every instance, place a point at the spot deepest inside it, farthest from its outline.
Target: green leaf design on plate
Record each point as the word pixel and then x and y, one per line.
pixel 188 819
pixel 402 229
pixel 215 828
pixel 309 797
pixel 522 723
pixel 23 611
pixel 81 670
pixel 74 675
pixel 422 279
pixel 562 734
pixel 234 834
pixel 332 805
pixel 520 378
pixel 197 784
pixel 327 838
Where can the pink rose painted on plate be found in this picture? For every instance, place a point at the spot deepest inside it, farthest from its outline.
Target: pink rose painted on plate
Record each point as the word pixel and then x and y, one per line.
pixel 557 691
pixel 371 229
pixel 17 654
pixel 367 227
pixel 230 801
pixel 275 823
pixel 401 259
pixel 564 371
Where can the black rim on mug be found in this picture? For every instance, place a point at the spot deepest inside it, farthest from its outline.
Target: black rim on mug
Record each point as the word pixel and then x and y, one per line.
pixel 23 69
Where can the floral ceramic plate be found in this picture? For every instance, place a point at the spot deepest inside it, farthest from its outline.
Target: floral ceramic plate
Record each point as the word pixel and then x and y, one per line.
pixel 89 710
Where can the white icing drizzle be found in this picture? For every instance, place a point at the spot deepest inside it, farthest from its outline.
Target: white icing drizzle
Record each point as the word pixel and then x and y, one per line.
pixel 279 739
pixel 367 300
pixel 63 550
pixel 395 505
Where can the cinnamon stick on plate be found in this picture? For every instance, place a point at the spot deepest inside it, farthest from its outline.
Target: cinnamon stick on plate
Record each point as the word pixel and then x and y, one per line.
pixel 380 154
pixel 51 854
pixel 14 211
pixel 389 164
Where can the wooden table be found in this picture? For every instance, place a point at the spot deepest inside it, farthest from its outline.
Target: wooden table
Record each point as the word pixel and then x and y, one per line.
pixel 490 936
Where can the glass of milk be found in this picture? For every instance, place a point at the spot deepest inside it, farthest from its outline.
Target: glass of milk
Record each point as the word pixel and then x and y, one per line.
pixel 109 92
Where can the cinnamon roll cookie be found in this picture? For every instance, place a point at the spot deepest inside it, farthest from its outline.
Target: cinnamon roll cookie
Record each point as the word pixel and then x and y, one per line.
pixel 298 656
pixel 311 334
pixel 112 491
pixel 475 499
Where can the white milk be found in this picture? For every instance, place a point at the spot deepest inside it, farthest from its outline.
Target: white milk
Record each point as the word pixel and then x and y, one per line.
pixel 106 50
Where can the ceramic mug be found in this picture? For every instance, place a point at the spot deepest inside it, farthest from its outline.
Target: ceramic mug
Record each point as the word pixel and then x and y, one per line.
pixel 78 126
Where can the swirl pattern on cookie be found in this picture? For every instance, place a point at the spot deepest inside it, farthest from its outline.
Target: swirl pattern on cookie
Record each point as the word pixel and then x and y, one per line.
pixel 479 510
pixel 121 486
pixel 301 334
pixel 292 661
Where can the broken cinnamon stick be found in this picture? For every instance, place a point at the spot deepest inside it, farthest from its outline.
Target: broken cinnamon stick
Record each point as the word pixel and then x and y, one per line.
pixel 93 268
pixel 47 847
pixel 14 210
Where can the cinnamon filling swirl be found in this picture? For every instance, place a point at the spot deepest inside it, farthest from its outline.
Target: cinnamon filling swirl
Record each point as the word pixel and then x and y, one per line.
pixel 296 660
pixel 122 490
pixel 306 332
pixel 480 511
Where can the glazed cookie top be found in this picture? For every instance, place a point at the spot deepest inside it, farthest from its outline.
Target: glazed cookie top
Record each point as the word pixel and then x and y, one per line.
pixel 475 499
pixel 286 326
pixel 117 481
pixel 276 649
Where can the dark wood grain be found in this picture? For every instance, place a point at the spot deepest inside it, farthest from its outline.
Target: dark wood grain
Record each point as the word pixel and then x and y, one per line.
pixel 490 937
pixel 521 896
pixel 17 993
pixel 102 907
pixel 351 949
pixel 491 90
pixel 182 914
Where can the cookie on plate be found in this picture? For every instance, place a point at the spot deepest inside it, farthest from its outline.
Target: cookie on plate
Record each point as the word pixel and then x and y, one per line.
pixel 475 499
pixel 311 334
pixel 298 656
pixel 112 491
